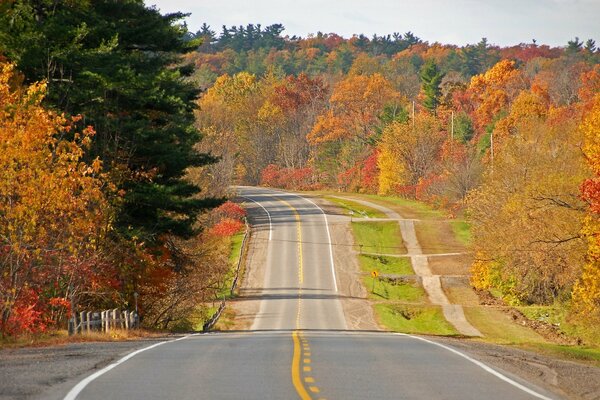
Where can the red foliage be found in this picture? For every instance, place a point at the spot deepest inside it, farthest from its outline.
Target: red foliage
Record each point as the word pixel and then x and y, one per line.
pixel 288 178
pixel 270 175
pixel 590 191
pixel 25 315
pixel 370 173
pixel 227 227
pixel 231 210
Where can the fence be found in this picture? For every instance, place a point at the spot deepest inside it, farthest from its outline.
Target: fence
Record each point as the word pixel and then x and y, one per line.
pixel 215 317
pixel 103 321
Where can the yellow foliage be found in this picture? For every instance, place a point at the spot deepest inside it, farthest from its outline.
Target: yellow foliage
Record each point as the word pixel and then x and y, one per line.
pixel 355 104
pixel 391 170
pixel 493 89
pixel 526 106
pixel 586 294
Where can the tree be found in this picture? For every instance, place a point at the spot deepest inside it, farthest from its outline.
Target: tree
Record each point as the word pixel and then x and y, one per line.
pixel 526 215
pixel 355 103
pixel 54 216
pixel 411 150
pixel 114 63
pixel 586 294
pixel 431 78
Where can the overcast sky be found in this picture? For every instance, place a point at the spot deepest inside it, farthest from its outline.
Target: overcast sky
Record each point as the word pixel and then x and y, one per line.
pixel 503 22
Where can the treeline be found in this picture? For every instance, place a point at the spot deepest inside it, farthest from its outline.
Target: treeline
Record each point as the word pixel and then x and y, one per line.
pixel 97 150
pixel 256 50
pixel 496 133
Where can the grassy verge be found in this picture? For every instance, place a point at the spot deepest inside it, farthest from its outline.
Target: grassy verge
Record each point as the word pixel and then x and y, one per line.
pixel 61 337
pixel 382 289
pixel 407 208
pixel 462 231
pixel 378 237
pixel 205 312
pixel 385 265
pixel 355 209
pixel 559 317
pixel 414 319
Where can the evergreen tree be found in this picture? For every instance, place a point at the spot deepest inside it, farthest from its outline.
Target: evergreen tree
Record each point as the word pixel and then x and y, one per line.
pixel 431 78
pixel 112 63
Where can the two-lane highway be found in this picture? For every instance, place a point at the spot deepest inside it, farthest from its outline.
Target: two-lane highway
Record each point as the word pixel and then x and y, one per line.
pixel 298 345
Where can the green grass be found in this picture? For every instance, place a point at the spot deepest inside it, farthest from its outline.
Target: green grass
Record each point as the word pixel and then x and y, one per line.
pixel 355 209
pixel 386 265
pixel 378 237
pixel 559 316
pixel 497 327
pixel 414 319
pixel 579 353
pixel 236 247
pixel 398 291
pixel 409 208
pixel 462 231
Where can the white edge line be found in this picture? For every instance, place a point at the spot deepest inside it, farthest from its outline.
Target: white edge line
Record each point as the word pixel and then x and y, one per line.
pixel 268 215
pixel 482 366
pixel 73 393
pixel 335 287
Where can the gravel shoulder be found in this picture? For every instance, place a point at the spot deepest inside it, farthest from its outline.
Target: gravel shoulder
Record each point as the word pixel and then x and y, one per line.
pixel 572 380
pixel 50 372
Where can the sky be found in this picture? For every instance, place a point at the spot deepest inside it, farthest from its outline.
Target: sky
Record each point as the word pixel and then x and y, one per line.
pixel 460 22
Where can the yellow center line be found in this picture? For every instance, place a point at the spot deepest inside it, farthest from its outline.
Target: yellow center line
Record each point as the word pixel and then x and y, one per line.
pixel 296 379
pixel 300 350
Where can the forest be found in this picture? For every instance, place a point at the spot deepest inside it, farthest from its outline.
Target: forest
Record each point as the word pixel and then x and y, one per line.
pixel 506 136
pixel 121 136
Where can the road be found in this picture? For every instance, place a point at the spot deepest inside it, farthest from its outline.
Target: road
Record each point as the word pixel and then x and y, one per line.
pixel 298 345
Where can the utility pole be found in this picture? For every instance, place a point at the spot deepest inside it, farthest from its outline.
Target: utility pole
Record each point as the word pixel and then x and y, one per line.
pixel 452 126
pixel 492 149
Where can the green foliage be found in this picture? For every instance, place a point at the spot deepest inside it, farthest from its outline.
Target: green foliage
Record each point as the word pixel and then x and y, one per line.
pixel 431 78
pixel 463 128
pixel 113 63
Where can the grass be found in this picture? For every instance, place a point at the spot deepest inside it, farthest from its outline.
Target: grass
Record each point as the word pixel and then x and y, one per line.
pixel 409 208
pixel 398 291
pixel 498 327
pixel 378 237
pixel 355 209
pixel 558 315
pixel 577 353
pixel 414 319
pixel 61 337
pixel 462 231
pixel 386 265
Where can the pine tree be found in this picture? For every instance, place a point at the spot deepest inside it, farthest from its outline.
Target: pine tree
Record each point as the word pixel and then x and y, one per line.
pixel 431 78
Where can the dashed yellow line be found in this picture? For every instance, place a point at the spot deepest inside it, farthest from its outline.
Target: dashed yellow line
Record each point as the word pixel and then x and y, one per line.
pixel 296 379
pixel 302 353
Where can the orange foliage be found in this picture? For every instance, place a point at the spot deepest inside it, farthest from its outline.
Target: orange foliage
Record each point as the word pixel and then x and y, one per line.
pixel 53 213
pixel 355 104
pixel 492 91
pixel 586 294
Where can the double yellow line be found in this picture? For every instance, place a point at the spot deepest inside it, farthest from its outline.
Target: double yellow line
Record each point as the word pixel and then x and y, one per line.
pixel 302 352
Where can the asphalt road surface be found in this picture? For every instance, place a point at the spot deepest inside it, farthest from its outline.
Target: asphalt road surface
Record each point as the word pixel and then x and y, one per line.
pixel 298 345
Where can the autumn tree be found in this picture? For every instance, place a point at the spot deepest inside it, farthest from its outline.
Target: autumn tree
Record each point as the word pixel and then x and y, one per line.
pixel 410 149
pixel 54 217
pixel 586 294
pixel 527 214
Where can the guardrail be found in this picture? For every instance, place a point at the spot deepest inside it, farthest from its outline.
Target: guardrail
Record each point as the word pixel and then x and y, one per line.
pixel 103 321
pixel 215 317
